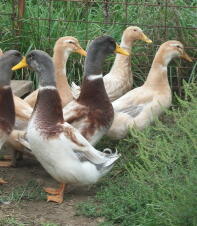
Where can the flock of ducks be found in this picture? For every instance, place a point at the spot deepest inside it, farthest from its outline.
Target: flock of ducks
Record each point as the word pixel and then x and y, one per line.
pixel 60 125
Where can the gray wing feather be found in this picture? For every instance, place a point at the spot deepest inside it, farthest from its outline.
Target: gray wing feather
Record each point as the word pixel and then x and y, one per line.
pixel 133 111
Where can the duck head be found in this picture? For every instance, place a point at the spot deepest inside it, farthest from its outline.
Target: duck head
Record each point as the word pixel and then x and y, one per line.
pixel 134 33
pixel 97 52
pixel 69 44
pixel 7 61
pixel 40 62
pixel 172 49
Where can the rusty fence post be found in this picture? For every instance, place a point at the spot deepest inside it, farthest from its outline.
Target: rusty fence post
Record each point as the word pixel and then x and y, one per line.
pixel 21 11
pixel 18 14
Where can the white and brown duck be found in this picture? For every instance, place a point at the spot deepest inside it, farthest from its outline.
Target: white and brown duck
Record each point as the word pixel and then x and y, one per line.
pixel 92 112
pixel 65 154
pixel 64 46
pixel 140 106
pixel 7 110
pixel 120 78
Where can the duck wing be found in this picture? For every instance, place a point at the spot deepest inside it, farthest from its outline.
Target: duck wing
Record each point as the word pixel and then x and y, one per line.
pixel 133 110
pixel 84 150
pixel 74 111
pixel 133 103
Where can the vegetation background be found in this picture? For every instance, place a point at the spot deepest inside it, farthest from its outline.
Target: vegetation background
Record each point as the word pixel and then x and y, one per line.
pixel 158 184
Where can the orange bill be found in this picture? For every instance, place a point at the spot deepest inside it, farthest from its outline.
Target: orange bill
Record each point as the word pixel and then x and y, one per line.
pixel 186 57
pixel 121 50
pixel 20 65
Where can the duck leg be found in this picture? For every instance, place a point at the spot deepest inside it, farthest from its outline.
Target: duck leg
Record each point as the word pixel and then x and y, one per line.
pixel 57 195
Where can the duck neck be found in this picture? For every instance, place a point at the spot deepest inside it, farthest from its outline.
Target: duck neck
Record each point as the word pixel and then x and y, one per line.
pixel 60 58
pixel 158 76
pixel 5 72
pixel 121 61
pixel 93 89
pixel 7 110
pixel 48 108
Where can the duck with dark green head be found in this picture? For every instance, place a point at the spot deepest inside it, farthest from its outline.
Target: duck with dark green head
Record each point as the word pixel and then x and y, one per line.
pixel 92 113
pixel 7 110
pixel 65 154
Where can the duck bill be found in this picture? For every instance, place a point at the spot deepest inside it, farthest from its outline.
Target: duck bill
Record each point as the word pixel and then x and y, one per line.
pixel 121 50
pixel 186 57
pixel 20 65
pixel 81 52
pixel 146 39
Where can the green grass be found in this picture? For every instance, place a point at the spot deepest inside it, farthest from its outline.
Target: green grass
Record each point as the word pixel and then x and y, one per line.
pixel 10 221
pixel 155 181
pixel 28 191
pixel 43 25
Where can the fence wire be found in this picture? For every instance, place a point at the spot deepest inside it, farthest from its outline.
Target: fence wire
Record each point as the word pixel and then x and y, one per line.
pixel 38 24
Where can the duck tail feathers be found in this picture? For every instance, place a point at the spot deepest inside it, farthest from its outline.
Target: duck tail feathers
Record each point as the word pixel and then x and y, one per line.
pixel 112 158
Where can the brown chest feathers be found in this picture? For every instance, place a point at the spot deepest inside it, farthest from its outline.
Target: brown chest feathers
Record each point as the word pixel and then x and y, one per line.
pixel 7 110
pixel 48 113
pixel 97 111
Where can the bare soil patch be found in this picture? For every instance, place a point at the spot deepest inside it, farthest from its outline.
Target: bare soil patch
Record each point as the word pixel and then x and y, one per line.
pixel 38 211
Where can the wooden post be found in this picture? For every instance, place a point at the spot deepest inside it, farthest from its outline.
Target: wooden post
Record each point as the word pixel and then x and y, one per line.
pixel 21 11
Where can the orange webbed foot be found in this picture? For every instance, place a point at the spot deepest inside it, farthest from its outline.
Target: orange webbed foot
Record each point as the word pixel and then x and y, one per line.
pixel 5 163
pixel 55 198
pixel 57 194
pixel 52 191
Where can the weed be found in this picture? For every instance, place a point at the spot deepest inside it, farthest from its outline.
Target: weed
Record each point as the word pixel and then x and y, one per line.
pixel 10 221
pixel 29 191
pixel 43 25
pixel 155 182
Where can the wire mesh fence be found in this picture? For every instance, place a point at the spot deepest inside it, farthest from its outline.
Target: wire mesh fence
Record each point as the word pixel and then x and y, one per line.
pixel 38 24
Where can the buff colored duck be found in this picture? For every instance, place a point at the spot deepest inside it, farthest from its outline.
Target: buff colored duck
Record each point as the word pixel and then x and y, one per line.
pixel 140 106
pixel 60 148
pixel 92 112
pixel 120 78
pixel 64 46
pixel 7 111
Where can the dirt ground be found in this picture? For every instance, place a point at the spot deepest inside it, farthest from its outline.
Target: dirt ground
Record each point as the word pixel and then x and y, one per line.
pixel 33 212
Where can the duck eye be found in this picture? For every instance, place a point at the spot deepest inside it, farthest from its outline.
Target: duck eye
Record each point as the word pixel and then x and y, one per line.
pixel 17 54
pixel 30 56
pixel 134 30
pixel 70 42
pixel 179 47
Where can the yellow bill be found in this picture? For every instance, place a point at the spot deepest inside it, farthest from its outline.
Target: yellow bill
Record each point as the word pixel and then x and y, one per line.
pixel 145 38
pixel 121 50
pixel 186 57
pixel 81 51
pixel 20 65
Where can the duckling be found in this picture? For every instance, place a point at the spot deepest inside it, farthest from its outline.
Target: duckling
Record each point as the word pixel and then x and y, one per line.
pixel 120 78
pixel 7 111
pixel 64 153
pixel 64 46
pixel 140 106
pixel 92 112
